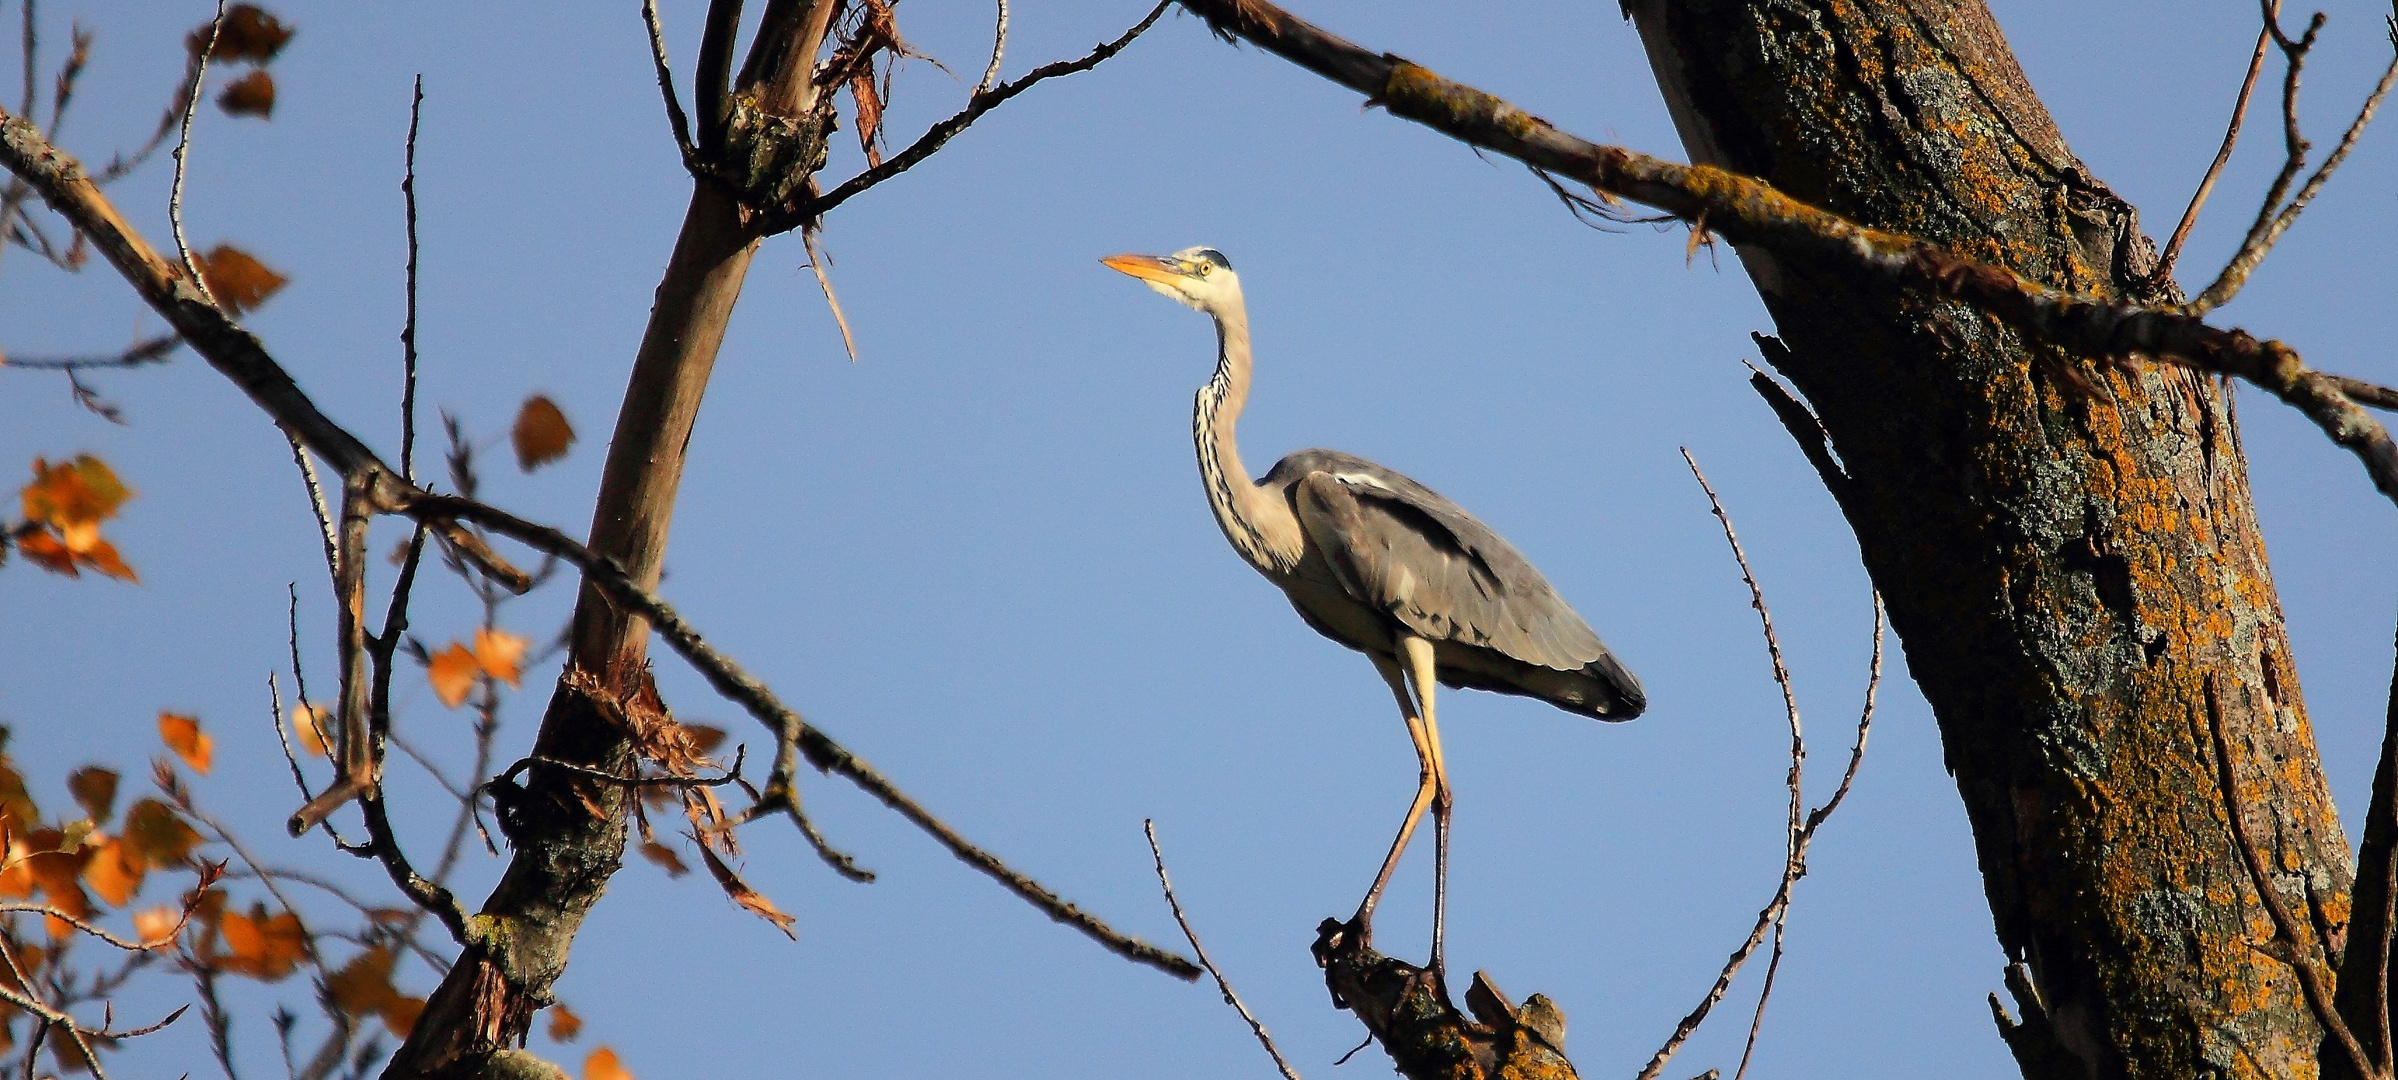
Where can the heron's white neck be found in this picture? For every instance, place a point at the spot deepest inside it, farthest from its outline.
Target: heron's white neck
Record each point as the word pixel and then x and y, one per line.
pixel 1258 522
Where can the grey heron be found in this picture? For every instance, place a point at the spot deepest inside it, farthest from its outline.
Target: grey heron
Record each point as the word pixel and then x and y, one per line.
pixel 1383 565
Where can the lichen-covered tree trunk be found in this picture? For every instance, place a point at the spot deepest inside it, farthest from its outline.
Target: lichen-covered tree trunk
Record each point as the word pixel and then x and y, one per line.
pixel 2067 546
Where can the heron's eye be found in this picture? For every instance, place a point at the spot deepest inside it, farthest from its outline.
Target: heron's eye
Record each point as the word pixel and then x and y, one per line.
pixel 1204 267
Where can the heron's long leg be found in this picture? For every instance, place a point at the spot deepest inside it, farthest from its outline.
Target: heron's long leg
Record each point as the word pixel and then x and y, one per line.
pixel 1420 665
pixel 1425 788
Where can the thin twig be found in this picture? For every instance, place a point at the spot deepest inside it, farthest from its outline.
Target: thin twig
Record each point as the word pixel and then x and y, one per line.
pixel 183 144
pixel 674 108
pixel 991 73
pixel 1774 917
pixel 316 503
pixel 795 736
pixel 2274 219
pixel 980 103
pixel 416 106
pixel 817 263
pixel 1149 828
pixel 2214 171
pixel 150 351
pixel 2299 952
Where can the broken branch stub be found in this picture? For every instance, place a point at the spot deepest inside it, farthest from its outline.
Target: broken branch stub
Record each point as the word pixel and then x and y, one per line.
pixel 1426 1037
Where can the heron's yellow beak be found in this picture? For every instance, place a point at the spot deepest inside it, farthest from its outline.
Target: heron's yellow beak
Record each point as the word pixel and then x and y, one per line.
pixel 1145 267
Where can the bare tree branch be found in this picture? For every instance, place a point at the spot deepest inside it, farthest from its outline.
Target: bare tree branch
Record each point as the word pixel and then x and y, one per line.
pixel 2274 218
pixel 982 102
pixel 674 108
pixel 183 151
pixel 1749 211
pixel 2231 137
pixel 1149 829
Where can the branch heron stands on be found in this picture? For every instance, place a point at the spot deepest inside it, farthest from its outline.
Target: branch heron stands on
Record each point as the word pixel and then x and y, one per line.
pixel 1383 565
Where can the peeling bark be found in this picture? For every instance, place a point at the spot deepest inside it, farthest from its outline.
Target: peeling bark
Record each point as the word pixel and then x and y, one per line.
pixel 2066 563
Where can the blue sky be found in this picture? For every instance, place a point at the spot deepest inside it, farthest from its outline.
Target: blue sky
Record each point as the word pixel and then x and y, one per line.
pixel 980 557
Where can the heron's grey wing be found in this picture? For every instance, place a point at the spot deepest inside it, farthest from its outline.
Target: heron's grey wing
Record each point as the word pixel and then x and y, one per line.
pixel 1405 550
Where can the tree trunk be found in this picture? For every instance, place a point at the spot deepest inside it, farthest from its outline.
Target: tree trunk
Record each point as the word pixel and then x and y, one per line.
pixel 2067 547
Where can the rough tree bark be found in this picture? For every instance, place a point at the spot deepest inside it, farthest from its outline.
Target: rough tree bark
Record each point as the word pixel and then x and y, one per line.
pixel 2068 550
pixel 568 831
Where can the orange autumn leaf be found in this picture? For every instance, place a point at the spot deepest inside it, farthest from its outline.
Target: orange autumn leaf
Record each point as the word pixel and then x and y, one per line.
pixel 154 924
pixel 363 987
pixel 64 506
pixel 602 1065
pixel 400 1013
pixel 313 726
pixel 182 735
pixel 705 738
pixel 262 946
pixel 452 672
pixel 251 95
pixel 500 654
pixel 84 491
pixel 541 434
pixel 94 789
pixel 564 1025
pixel 664 856
pixel 236 278
pixel 156 835
pixel 114 872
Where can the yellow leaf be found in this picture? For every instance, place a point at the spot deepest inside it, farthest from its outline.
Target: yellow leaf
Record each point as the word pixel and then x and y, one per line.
pixel 182 735
pixel 500 654
pixel 602 1065
pixel 452 672
pixel 237 279
pixel 541 434
pixel 564 1024
pixel 94 789
pixel 313 725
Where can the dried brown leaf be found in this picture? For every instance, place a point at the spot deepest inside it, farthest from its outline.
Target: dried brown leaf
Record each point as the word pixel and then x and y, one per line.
pixel 541 433
pixel 564 1025
pixel 156 835
pixel 249 34
pixel 262 946
pixel 114 872
pixel 664 856
pixel 251 95
pixel 742 894
pixel 237 279
pixel 94 789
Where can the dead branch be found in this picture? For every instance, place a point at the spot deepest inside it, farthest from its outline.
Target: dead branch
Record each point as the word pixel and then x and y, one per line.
pixel 149 351
pixel 2231 137
pixel 416 108
pixel 1149 829
pixel 1404 1009
pixel 1749 211
pixel 982 102
pixel 674 108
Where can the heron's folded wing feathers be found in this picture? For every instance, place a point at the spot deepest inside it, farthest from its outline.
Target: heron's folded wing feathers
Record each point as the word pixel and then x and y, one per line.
pixel 1398 546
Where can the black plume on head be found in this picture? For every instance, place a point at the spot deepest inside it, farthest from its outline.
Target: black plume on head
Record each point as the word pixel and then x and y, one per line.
pixel 1214 256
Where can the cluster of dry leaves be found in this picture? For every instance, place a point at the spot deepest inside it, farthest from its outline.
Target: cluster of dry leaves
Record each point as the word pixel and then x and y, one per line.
pixel 63 507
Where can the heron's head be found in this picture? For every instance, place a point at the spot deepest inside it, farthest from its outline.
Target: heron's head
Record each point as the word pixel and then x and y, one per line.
pixel 1198 276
